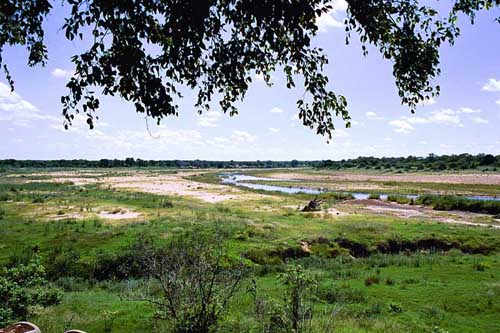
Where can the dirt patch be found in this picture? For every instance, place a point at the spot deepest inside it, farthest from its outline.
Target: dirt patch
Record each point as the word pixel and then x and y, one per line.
pixel 119 214
pixel 410 211
pixel 399 211
pixel 156 183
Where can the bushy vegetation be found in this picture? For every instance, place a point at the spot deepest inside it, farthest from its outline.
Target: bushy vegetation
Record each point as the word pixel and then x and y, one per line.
pixel 446 202
pixel 415 163
pixel 22 288
pixel 411 163
pixel 400 199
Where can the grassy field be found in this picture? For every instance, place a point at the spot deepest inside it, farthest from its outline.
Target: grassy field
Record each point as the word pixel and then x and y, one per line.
pixel 380 266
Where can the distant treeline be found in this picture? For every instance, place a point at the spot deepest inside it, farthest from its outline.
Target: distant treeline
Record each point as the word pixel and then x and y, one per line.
pixel 132 162
pixel 414 163
pixel 410 163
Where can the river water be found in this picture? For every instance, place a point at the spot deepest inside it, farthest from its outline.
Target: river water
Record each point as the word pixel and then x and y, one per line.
pixel 245 181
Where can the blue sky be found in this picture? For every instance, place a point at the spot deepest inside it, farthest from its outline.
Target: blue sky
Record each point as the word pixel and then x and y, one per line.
pixel 465 118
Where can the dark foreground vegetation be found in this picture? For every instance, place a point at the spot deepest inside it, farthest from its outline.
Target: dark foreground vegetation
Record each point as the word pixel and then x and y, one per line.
pixel 410 163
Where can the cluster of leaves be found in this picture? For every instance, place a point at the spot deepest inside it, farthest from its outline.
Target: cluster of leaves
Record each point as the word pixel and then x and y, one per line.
pixel 214 47
pixel 146 51
pixel 294 314
pixel 23 287
pixel 21 24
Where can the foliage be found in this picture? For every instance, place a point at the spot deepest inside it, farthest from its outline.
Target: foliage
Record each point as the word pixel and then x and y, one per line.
pixel 197 282
pixel 216 46
pixel 297 313
pixel 446 202
pixel 410 163
pixel 415 163
pixel 23 287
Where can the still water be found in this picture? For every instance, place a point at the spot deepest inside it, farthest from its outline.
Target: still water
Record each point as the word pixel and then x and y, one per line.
pixel 243 181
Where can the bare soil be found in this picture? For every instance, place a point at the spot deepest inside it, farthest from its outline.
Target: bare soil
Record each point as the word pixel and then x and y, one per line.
pixel 413 211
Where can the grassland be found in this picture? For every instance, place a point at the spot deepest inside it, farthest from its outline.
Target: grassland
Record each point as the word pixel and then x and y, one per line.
pixel 380 266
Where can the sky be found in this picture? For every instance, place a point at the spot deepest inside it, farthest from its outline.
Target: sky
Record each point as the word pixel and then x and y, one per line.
pixel 463 119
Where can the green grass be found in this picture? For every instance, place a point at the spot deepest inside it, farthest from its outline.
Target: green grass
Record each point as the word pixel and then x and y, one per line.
pixel 422 273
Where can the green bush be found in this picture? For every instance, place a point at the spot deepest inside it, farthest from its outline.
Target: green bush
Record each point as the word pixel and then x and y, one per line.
pixel 23 287
pixel 374 196
pixel 448 202
pixel 2 213
pixel 400 199
pixel 164 203
pixel 344 294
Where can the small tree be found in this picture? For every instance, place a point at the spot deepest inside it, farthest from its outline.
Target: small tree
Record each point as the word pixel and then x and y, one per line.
pixel 22 287
pixel 293 314
pixel 196 282
pixel 298 283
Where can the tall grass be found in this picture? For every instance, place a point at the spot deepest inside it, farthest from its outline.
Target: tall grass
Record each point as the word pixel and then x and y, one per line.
pixel 447 202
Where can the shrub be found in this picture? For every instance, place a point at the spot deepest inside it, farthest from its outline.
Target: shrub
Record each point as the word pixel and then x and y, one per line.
pixel 448 202
pixel 344 294
pixel 23 287
pixel 72 284
pixel 38 199
pixel 197 281
pixel 395 308
pixel 62 262
pixel 481 266
pixel 372 279
pixel 164 203
pixel 4 197
pixel 2 213
pixel 374 196
pixel 400 199
pixel 390 282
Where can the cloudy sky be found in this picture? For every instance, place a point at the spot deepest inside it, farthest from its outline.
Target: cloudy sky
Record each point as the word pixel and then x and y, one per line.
pixel 465 118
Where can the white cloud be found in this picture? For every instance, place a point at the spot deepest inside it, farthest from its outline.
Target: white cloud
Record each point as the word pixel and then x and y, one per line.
pixel 443 117
pixel 373 115
pixel 274 130
pixel 340 133
pixel 209 119
pixel 12 101
pixel 331 19
pixel 20 112
pixel 446 116
pixel 498 102
pixel 277 110
pixel 468 110
pixel 61 73
pixel 242 137
pixel 479 120
pixel 492 85
pixel 401 126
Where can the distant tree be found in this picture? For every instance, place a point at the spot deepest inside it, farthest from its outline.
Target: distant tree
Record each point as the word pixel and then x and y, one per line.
pixel 488 159
pixel 144 51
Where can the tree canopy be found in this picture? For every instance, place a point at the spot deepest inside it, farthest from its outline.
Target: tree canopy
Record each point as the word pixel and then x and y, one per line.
pixel 145 51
